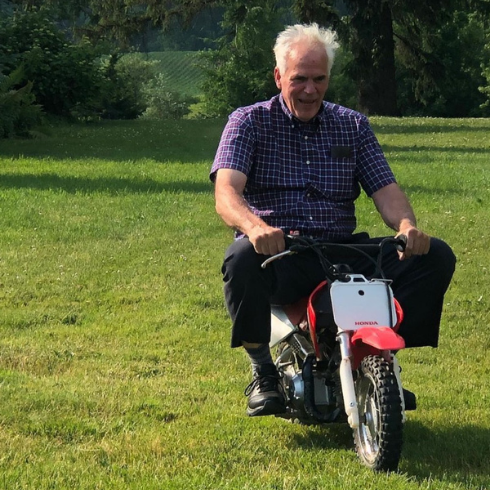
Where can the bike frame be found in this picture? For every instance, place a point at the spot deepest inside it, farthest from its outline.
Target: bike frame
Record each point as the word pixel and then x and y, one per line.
pixel 366 315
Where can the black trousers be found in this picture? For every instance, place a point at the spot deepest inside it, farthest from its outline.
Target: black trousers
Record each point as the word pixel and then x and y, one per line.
pixel 419 284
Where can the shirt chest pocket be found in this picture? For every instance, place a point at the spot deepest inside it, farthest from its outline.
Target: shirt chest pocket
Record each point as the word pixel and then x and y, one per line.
pixel 332 173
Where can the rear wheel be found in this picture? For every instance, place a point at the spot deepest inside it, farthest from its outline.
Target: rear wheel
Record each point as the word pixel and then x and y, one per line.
pixel 379 437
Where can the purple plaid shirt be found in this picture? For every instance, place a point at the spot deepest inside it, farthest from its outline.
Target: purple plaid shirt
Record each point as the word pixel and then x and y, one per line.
pixel 303 177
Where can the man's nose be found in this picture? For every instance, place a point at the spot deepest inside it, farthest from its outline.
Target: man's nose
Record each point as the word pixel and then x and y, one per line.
pixel 310 87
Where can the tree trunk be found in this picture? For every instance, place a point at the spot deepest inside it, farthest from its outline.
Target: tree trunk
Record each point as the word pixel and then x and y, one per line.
pixel 373 47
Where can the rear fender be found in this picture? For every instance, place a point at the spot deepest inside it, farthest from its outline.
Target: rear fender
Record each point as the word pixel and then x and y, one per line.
pixel 311 314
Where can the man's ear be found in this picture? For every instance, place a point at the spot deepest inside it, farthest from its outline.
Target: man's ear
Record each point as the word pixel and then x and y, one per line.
pixel 277 77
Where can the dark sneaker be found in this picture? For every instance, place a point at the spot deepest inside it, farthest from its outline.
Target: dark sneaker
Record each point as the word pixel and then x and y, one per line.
pixel 264 393
pixel 410 400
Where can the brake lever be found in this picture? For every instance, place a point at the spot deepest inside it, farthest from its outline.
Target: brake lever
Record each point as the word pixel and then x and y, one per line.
pixel 275 257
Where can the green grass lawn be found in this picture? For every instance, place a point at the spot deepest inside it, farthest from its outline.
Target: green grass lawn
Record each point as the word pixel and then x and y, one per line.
pixel 115 366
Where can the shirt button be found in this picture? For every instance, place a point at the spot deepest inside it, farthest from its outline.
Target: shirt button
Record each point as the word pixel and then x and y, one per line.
pixel 307 162
pixel 311 218
pixel 306 137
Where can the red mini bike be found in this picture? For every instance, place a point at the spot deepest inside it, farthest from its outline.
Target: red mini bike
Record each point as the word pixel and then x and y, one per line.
pixel 336 351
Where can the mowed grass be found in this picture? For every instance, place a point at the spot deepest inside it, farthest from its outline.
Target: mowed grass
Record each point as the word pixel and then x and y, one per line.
pixel 115 367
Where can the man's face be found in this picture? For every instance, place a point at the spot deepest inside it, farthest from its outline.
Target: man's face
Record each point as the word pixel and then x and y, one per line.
pixel 305 80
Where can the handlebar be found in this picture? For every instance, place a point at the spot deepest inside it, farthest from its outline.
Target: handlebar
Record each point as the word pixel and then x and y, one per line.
pixel 298 244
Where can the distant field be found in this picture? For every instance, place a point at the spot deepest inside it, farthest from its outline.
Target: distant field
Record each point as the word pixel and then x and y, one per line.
pixel 180 68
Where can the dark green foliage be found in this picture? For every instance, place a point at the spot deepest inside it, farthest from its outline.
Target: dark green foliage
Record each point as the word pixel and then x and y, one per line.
pixel 404 57
pixel 64 76
pixel 444 80
pixel 240 71
pixel 68 79
pixel 410 57
pixel 18 113
pixel 342 88
pixel 122 93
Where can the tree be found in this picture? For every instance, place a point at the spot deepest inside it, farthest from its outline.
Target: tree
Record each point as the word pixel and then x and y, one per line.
pixel 240 71
pixel 63 75
pixel 373 46
pixel 117 21
pixel 366 26
pixel 377 32
pixel 401 53
pixel 444 81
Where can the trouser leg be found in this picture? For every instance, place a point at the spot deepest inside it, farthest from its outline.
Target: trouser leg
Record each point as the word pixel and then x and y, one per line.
pixel 419 285
pixel 247 290
pixel 250 290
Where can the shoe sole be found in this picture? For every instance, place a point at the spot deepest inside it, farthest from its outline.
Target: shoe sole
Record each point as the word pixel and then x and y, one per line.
pixel 270 407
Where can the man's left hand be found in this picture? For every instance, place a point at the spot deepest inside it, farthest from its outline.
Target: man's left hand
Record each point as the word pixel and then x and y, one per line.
pixel 418 242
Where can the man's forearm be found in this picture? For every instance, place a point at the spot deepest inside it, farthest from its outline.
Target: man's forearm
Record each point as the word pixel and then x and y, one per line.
pixel 235 212
pixel 397 213
pixel 394 207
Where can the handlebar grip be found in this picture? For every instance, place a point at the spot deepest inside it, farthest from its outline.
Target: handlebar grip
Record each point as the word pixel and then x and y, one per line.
pixel 288 240
pixel 401 243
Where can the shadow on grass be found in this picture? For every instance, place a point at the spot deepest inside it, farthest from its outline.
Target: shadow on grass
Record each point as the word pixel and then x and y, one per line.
pixel 183 141
pixel 413 150
pixel 452 453
pixel 408 126
pixel 113 186
pixel 328 436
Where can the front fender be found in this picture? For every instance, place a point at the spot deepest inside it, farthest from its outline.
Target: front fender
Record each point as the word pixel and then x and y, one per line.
pixel 381 338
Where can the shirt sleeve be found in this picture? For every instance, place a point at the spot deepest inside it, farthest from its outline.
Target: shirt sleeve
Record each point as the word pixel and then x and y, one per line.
pixel 373 170
pixel 237 145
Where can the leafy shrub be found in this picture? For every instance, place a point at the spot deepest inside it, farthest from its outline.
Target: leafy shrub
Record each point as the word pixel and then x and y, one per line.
pixel 64 75
pixel 124 80
pixel 240 72
pixel 163 103
pixel 18 113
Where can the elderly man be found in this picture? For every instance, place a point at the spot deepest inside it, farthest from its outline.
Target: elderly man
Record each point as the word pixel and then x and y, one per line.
pixel 296 164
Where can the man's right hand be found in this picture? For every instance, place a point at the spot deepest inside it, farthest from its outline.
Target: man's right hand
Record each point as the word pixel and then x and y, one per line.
pixel 267 240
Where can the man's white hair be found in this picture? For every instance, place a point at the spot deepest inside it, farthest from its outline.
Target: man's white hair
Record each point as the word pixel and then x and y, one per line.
pixel 311 33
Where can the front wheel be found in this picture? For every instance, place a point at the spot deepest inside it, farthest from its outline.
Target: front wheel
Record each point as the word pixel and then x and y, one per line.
pixel 379 438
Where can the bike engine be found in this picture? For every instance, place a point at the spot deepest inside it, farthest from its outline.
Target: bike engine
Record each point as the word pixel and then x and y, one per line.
pixel 290 366
pixel 294 388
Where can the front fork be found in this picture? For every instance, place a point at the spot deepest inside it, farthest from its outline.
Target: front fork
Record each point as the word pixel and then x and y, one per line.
pixel 347 381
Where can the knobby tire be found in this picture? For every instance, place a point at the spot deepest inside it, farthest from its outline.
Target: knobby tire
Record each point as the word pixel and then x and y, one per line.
pixel 379 438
